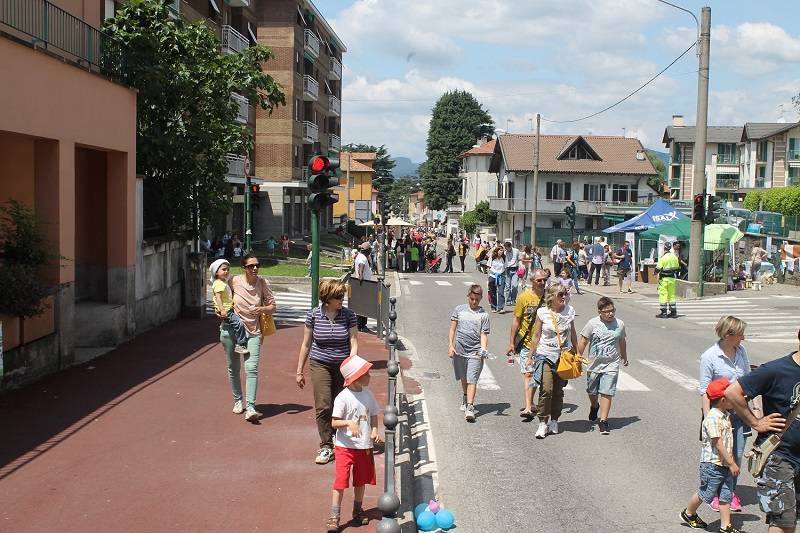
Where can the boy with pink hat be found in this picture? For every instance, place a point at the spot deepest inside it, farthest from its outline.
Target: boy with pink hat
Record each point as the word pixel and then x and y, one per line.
pixel 355 419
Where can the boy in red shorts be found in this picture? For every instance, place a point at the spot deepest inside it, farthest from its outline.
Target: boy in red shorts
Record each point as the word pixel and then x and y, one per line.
pixel 355 419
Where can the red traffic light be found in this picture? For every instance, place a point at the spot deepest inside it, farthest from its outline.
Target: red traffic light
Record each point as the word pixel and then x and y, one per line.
pixel 318 163
pixel 255 189
pixel 698 210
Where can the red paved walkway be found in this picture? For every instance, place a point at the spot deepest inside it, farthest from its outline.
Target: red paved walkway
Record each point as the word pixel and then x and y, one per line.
pixel 143 440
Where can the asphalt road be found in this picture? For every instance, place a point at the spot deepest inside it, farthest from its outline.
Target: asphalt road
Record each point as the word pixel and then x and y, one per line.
pixel 495 476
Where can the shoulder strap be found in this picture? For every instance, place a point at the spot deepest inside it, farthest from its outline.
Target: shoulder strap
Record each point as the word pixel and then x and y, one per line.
pixel 558 333
pixel 532 320
pixel 793 414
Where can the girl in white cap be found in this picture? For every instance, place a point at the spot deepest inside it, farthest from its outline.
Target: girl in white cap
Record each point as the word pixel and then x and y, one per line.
pixel 223 302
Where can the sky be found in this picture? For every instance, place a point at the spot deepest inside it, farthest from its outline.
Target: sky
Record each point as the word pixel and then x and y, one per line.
pixel 564 59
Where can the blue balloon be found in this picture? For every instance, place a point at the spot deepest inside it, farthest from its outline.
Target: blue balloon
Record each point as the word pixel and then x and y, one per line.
pixel 426 521
pixel 419 509
pixel 445 519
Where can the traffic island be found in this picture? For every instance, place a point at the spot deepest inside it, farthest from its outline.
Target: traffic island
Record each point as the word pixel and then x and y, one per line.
pixel 690 290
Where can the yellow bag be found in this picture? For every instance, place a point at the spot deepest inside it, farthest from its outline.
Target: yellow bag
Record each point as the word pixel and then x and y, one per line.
pixel 267 324
pixel 570 366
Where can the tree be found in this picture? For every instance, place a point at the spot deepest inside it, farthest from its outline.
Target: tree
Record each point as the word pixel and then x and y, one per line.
pixel 784 200
pixel 657 182
pixel 457 121
pixel 752 200
pixel 383 162
pixel 186 118
pixel 480 215
pixel 399 193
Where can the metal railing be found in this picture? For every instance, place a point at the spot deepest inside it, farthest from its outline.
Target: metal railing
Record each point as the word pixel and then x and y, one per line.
pixel 793 155
pixel 760 183
pixel 727 183
pixel 335 72
pixel 55 28
pixel 310 88
pixel 675 183
pixel 334 105
pixel 727 159
pixel 310 132
pixel 233 42
pixel 388 502
pixel 511 205
pixel 311 42
pixel 792 181
pixel 243 111
pixel 334 142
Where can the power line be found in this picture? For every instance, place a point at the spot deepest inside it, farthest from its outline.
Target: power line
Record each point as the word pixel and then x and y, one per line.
pixel 648 82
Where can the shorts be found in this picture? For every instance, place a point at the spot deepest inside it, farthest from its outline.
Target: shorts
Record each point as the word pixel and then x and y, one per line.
pixel 777 492
pixel 523 368
pixel 362 464
pixel 623 272
pixel 467 368
pixel 601 383
pixel 715 480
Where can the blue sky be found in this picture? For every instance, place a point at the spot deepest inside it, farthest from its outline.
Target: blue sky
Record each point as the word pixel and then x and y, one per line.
pixel 564 59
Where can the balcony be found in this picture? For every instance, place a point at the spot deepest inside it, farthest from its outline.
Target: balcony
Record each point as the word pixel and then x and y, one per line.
pixel 310 132
pixel 334 142
pixel 335 72
pixel 675 183
pixel 310 89
pixel 727 184
pixel 727 159
pixel 334 106
pixel 235 165
pixel 761 183
pixel 190 14
pixel 791 181
pixel 511 205
pixel 238 3
pixel 174 6
pixel 793 155
pixel 243 110
pixel 233 42
pixel 310 44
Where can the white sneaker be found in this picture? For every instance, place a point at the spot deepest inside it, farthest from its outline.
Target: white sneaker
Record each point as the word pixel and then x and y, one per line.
pixel 240 349
pixel 552 427
pixel 251 415
pixel 469 413
pixel 238 408
pixel 541 431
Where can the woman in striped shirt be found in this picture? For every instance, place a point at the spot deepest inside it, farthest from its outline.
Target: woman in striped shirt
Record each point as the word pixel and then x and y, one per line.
pixel 331 335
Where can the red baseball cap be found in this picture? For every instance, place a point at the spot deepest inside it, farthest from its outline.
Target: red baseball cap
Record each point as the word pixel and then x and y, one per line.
pixel 716 389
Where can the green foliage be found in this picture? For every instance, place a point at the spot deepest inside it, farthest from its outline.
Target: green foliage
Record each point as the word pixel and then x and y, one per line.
pixel 752 200
pixel 383 162
pixel 469 221
pixel 457 121
pixel 25 256
pixel 480 215
pixel 398 193
pixel 784 200
pixel 186 119
pixel 657 182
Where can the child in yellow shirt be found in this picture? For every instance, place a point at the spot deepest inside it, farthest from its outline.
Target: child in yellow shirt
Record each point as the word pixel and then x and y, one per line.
pixel 223 302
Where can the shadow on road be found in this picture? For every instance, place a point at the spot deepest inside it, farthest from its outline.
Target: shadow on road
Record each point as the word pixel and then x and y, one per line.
pixel 498 409
pixel 269 410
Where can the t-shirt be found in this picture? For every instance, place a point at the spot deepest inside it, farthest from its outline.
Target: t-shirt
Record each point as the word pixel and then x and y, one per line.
pixel 469 328
pixel 716 425
pixel 524 311
pixel 414 253
pixel 627 259
pixel 548 343
pixel 582 258
pixel 604 338
pixel 565 282
pixel 360 406
pixel 596 253
pixel 361 259
pixel 219 286
pixel 778 384
pixel 512 258
pixel 245 297
pixel 331 339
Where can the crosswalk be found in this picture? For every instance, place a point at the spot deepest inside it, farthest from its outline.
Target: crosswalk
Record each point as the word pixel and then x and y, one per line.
pixel 769 319
pixel 293 306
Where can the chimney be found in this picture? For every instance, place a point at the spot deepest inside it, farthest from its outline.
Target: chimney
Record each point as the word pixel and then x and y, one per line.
pixel 677 120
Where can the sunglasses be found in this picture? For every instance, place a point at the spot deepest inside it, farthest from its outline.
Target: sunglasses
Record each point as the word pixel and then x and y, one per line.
pixel 337 297
pixel 540 280
pixel 612 310
pixel 561 293
pixel 253 266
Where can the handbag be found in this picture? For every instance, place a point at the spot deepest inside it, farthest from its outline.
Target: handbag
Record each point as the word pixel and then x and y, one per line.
pixel 267 324
pixel 757 455
pixel 570 365
pixel 520 271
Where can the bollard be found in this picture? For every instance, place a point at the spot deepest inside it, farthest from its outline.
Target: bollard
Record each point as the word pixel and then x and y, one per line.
pixel 388 502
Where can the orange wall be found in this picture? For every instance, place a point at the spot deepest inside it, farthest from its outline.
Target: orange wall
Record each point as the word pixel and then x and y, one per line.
pixel 90 211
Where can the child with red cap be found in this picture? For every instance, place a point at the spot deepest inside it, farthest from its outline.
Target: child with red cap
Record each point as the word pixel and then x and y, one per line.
pixel 717 465
pixel 355 419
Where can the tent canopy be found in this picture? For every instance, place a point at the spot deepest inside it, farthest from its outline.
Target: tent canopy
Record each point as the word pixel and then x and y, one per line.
pixel 661 212
pixel 715 236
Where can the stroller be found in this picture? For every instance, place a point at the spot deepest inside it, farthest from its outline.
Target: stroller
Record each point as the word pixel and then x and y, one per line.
pixel 432 263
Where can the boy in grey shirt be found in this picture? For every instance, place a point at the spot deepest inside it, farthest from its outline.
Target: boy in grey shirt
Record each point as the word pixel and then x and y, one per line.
pixel 469 337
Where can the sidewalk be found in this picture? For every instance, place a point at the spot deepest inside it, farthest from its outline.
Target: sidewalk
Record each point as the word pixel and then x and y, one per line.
pixel 143 439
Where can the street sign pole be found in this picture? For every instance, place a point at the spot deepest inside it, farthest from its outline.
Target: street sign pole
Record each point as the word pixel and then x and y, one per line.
pixel 248 217
pixel 314 258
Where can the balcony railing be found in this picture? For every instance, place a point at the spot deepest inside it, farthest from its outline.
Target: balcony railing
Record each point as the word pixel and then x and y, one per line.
pixel 310 132
pixel 793 155
pixel 310 89
pixel 233 42
pixel 335 72
pixel 334 105
pixel 761 183
pixel 310 43
pixel 511 205
pixel 792 180
pixel 727 159
pixel 728 183
pixel 192 15
pixel 675 183
pixel 334 142
pixel 235 165
pixel 238 3
pixel 67 35
pixel 243 111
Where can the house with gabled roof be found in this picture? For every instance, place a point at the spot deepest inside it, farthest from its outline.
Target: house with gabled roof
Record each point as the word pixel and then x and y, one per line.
pixel 593 171
pixel 770 155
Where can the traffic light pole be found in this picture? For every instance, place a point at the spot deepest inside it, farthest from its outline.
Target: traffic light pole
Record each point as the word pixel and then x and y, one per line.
pixel 248 218
pixel 701 131
pixel 314 257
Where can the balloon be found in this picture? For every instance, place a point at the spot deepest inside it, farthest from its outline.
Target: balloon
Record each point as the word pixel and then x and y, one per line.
pixel 433 506
pixel 426 521
pixel 445 519
pixel 419 509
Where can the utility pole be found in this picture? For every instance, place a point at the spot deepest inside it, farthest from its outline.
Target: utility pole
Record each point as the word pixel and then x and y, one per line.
pixel 535 182
pixel 701 132
pixel 248 216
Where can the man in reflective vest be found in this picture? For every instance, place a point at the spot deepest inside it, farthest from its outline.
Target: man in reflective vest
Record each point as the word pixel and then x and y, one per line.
pixel 668 268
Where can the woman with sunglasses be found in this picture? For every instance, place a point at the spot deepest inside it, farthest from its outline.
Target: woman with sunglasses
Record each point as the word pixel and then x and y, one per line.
pixel 252 296
pixel 553 333
pixel 330 337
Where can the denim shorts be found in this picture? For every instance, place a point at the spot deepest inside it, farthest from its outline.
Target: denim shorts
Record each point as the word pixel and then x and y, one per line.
pixel 601 383
pixel 715 480
pixel 777 490
pixel 523 367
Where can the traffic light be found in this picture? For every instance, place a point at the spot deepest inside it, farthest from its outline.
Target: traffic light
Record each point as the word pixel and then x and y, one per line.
pixel 713 210
pixel 322 177
pixel 255 188
pixel 698 209
pixel 385 211
pixel 570 212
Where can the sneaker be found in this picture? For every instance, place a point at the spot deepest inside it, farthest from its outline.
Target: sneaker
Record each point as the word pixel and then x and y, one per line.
pixel 541 431
pixel 241 350
pixel 603 425
pixel 714 504
pixel 469 413
pixel 661 315
pixel 694 521
pixel 332 524
pixel 238 408
pixel 360 517
pixel 728 529
pixel 251 415
pixel 552 427
pixel 593 413
pixel 736 504
pixel 324 456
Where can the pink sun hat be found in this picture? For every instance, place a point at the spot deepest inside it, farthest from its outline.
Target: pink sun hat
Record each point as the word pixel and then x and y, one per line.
pixel 353 368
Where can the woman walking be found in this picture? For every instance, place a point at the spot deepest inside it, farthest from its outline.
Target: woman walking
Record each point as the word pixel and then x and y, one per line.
pixel 727 358
pixel 497 277
pixel 330 337
pixel 285 246
pixel 252 296
pixel 525 259
pixel 450 252
pixel 463 247
pixel 553 333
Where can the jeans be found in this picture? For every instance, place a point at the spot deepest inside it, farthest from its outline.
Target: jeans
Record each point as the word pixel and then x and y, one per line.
pixel 557 267
pixel 739 440
pixel 237 328
pixel 512 282
pixel 449 267
pixel 594 269
pixel 461 258
pixel 226 337
pixel 496 291
pixel 328 382
pixel 575 273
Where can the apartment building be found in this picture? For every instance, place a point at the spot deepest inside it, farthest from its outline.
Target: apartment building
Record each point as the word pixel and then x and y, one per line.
pixel 603 175
pixel 770 155
pixel 475 175
pixel 308 66
pixel 356 194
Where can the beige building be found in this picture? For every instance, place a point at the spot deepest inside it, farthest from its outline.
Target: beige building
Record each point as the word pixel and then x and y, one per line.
pixel 357 172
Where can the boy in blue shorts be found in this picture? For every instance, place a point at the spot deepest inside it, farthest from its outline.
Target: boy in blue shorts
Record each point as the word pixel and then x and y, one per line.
pixel 717 464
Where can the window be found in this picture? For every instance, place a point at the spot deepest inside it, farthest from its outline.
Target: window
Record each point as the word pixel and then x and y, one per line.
pixel 594 192
pixel 621 193
pixel 794 176
pixel 794 149
pixel 763 150
pixel 297 109
pixel 578 152
pixel 726 154
pixel 510 190
pixel 556 224
pixel 558 191
pixel 296 156
pixel 110 9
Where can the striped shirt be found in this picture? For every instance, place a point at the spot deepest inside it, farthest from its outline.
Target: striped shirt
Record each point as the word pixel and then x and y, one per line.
pixel 331 339
pixel 716 424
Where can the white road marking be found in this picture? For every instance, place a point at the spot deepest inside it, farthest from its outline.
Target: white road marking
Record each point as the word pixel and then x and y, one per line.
pixel 415 282
pixel 788 340
pixel 756 321
pixel 687 382
pixel 486 381
pixel 626 382
pixel 406 290
pixel 444 283
pixel 467 283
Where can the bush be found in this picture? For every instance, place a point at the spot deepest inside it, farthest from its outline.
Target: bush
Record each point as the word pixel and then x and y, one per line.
pixel 784 200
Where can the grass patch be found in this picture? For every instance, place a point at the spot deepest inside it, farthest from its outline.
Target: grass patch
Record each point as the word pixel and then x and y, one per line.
pixel 288 270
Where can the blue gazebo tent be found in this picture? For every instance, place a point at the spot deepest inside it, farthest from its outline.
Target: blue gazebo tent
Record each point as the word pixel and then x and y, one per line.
pixel 661 212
